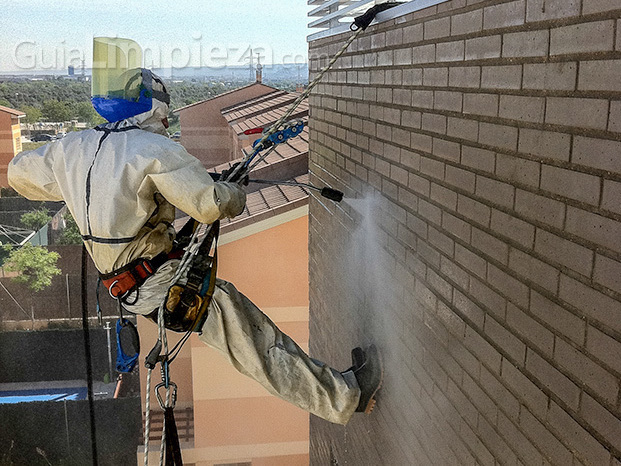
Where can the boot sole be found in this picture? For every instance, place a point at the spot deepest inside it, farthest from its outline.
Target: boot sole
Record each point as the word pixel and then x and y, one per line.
pixel 372 401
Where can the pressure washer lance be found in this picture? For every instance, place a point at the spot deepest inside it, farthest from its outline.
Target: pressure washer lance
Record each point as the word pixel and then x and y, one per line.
pixel 328 193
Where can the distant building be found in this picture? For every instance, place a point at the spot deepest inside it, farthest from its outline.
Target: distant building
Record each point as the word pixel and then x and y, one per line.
pixel 71 70
pixel 10 140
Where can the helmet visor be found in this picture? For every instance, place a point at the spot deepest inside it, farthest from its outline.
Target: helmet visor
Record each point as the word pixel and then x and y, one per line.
pixel 118 90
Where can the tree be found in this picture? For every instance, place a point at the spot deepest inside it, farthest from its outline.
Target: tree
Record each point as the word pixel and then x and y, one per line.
pixel 35 265
pixel 56 111
pixel 33 114
pixel 71 234
pixel 35 219
pixel 84 111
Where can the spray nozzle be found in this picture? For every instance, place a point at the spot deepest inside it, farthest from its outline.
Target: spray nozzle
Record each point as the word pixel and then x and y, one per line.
pixel 332 194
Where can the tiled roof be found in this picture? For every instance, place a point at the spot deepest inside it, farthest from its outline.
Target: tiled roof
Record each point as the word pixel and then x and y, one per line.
pixel 292 148
pixel 257 106
pixel 263 204
pixel 222 95
pixel 269 202
pixel 268 117
pixel 12 111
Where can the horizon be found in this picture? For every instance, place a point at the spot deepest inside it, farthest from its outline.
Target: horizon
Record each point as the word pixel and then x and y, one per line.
pixel 49 36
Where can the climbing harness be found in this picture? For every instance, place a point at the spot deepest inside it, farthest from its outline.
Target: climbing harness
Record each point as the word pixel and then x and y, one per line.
pixel 195 310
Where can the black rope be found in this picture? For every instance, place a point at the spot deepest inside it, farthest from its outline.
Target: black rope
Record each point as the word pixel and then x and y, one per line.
pixel 87 353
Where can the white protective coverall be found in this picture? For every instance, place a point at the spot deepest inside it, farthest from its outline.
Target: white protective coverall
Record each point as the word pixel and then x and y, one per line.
pixel 122 183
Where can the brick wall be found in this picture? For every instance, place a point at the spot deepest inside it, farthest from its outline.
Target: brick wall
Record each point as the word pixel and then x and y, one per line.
pixel 481 141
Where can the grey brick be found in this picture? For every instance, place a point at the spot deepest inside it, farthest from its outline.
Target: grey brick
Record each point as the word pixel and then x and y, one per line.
pixel 559 76
pixel 462 128
pixel 418 184
pixel 435 77
pixel 564 252
pixel 509 286
pixel 606 424
pixel 481 104
pixel 604 348
pixel 544 144
pixel 490 246
pixel 448 100
pixel 492 301
pixel 571 184
pixel 467 23
pixel 498 136
pixel 473 210
pixel 614 117
pixel 514 347
pixel 556 452
pixel 553 379
pixel 542 10
pixel 595 228
pixel 413 77
pixel 591 37
pixel 590 302
pixel 456 227
pixel 474 157
pixel 518 170
pixel 444 196
pixel 513 228
pixel 447 150
pixel 485 352
pixel 434 123
pixel 424 54
pixel 590 449
pixel 481 48
pixel 599 6
pixel 583 113
pixel 530 330
pixel 597 153
pixel 413 33
pixel 433 168
pixel 611 198
pixel 587 371
pixel 524 447
pixel 423 99
pixel 526 391
pixel 525 44
pixel 535 270
pixel 558 318
pixel 460 178
pixel 501 77
pixel 496 192
pixel 473 263
pixel 437 28
pixel 450 51
pixel 599 75
pixel 469 76
pixel 504 15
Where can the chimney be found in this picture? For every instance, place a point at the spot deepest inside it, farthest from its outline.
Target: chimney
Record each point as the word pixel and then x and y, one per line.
pixel 259 69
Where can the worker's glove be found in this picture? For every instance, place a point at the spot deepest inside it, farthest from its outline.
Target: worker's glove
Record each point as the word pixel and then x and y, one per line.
pixel 230 199
pixel 237 178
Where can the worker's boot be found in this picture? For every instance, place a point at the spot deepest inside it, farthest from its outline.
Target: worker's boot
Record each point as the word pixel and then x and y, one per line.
pixel 369 373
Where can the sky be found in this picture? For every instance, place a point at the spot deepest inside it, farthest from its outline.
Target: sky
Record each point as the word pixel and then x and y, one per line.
pixel 53 34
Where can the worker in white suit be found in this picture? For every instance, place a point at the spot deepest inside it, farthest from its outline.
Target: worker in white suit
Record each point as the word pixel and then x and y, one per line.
pixel 121 182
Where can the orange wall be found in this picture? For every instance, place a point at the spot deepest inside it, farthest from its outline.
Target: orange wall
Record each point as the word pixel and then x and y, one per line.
pixel 232 413
pixel 10 143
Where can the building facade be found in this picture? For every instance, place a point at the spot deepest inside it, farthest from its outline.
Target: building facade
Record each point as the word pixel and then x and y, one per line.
pixel 479 144
pixel 10 140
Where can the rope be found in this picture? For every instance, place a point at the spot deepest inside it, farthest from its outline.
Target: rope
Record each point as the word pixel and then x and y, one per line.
pixel 87 355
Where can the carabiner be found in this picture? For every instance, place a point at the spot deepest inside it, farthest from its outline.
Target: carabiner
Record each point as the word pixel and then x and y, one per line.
pixel 159 397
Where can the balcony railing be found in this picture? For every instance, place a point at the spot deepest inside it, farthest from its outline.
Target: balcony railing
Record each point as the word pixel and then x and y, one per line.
pixel 336 16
